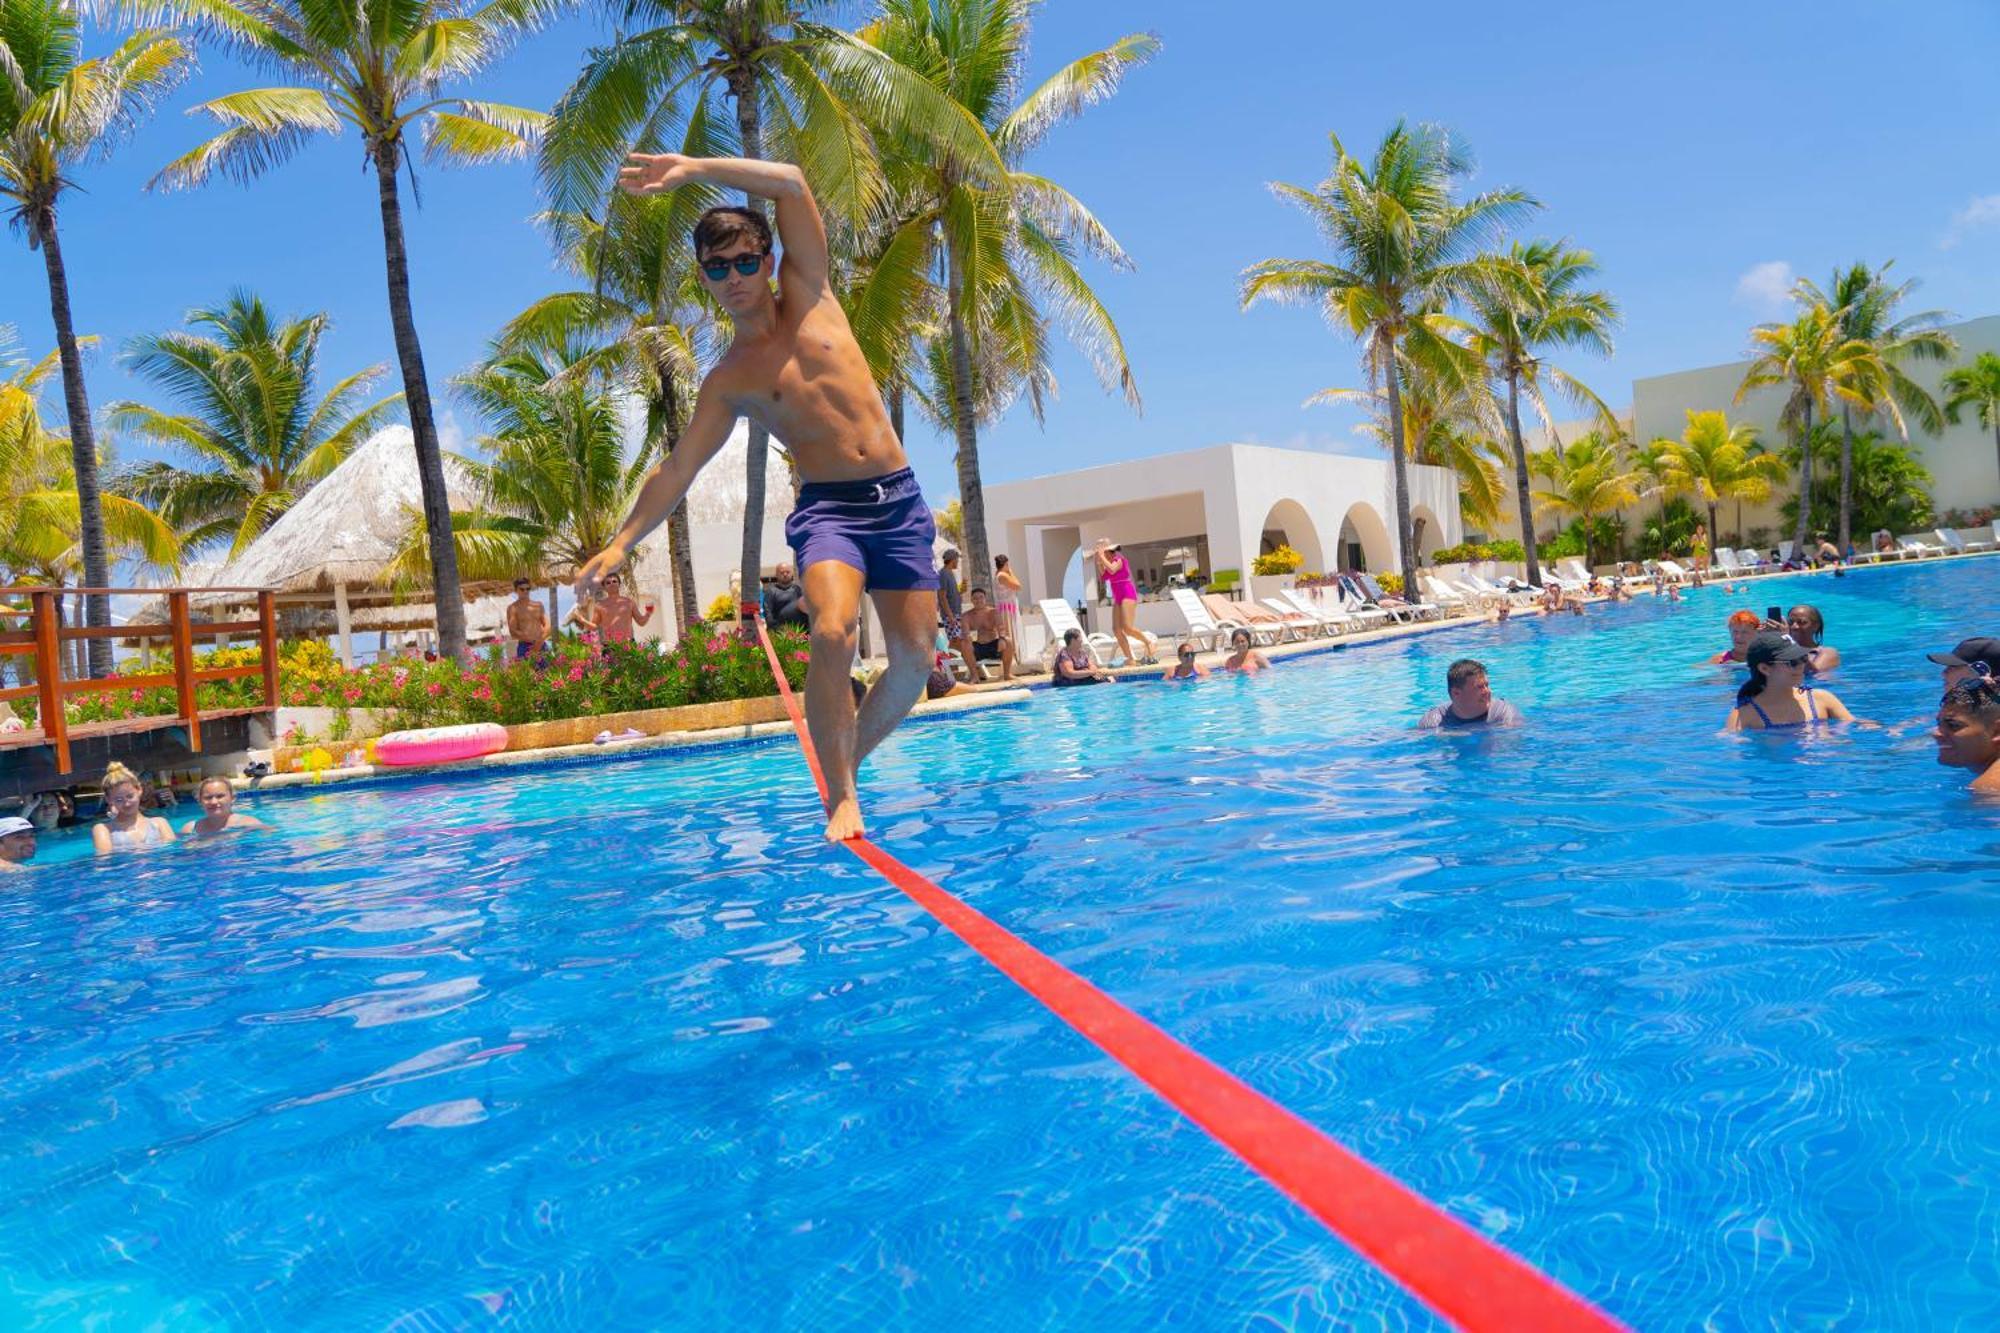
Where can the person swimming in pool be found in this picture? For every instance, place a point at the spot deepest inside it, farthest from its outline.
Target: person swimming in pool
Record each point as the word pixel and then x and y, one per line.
pixel 126 827
pixel 1243 656
pixel 1774 698
pixel 1808 629
pixel 1470 701
pixel 1968 730
pixel 861 525
pixel 219 814
pixel 1184 667
pixel 1743 627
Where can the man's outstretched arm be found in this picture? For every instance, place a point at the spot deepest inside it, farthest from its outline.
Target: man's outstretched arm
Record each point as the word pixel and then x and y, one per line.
pixel 707 431
pixel 799 225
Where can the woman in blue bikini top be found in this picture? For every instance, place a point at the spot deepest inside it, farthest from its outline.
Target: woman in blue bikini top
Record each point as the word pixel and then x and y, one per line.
pixel 1773 698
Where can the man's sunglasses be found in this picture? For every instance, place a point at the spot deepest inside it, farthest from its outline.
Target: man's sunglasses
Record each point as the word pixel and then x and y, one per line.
pixel 718 269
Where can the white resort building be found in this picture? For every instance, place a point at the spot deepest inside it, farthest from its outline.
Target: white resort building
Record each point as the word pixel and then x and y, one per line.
pixel 1211 511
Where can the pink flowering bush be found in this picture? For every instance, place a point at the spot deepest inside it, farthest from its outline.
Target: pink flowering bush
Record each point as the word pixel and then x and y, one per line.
pixel 570 678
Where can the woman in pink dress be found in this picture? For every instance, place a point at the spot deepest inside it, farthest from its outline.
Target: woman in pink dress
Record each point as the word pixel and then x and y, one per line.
pixel 1114 571
pixel 1008 596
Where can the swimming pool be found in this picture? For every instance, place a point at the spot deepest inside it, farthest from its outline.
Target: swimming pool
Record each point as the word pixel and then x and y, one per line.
pixel 1701 1026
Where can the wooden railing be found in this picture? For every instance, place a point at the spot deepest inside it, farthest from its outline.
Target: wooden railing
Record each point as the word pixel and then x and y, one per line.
pixel 45 635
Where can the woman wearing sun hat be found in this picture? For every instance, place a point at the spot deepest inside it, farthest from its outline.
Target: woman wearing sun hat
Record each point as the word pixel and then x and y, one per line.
pixel 1774 697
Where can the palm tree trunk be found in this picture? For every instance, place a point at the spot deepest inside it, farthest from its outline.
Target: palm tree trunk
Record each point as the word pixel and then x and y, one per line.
pixel 82 442
pixel 1805 483
pixel 749 125
pixel 1399 467
pixel 896 413
pixel 423 424
pixel 1996 442
pixel 1846 477
pixel 1534 568
pixel 1713 531
pixel 971 494
pixel 680 537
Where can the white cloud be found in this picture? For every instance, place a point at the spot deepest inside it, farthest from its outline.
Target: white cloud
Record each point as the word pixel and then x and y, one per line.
pixel 451 435
pixel 1982 211
pixel 1766 286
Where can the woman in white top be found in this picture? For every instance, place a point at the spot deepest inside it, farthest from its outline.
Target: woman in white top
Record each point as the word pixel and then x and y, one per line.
pixel 125 825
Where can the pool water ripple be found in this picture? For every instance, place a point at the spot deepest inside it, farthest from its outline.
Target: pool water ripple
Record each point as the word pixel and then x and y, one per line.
pixel 1701 1025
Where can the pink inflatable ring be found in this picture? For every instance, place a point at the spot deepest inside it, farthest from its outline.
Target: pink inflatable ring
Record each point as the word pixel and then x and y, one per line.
pixel 440 745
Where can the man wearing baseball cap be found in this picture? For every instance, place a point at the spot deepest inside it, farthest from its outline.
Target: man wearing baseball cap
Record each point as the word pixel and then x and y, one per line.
pixel 17 843
pixel 1974 657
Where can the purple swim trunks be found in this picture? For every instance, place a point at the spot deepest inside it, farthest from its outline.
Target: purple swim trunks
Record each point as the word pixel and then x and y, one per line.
pixel 881 527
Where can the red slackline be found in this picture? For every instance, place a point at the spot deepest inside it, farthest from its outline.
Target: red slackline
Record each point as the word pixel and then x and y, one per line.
pixel 1440 1260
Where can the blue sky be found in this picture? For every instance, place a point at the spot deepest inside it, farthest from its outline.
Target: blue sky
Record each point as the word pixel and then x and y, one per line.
pixel 1706 153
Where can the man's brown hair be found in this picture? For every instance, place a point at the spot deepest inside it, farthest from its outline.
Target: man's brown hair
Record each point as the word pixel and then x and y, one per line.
pixel 727 223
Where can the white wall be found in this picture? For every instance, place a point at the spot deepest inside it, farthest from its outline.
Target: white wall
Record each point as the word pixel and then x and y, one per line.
pixel 1226 491
pixel 715 518
pixel 1961 458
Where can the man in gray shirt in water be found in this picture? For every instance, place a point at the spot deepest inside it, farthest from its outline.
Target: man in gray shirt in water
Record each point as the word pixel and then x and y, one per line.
pixel 1472 702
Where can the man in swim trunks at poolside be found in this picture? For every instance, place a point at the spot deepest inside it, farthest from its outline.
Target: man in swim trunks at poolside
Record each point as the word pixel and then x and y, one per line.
pixel 614 614
pixel 986 628
pixel 527 622
pixel 861 524
pixel 1472 702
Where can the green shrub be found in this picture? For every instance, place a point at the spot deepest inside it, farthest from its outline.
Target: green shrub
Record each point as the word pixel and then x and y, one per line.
pixel 1470 551
pixel 1225 579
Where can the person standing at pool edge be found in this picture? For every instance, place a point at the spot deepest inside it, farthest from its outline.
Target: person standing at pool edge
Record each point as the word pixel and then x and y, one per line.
pixel 861 524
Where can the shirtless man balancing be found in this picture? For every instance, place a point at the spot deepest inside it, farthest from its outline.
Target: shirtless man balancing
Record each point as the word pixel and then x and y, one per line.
pixel 861 524
pixel 527 623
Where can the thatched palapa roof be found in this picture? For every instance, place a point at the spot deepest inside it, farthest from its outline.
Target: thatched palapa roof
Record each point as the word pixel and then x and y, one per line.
pixel 345 530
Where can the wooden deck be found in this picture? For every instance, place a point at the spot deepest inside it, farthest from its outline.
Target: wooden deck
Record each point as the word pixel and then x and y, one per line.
pixel 46 753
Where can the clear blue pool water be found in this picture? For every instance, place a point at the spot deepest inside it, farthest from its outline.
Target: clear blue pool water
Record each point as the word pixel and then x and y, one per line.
pixel 1703 1026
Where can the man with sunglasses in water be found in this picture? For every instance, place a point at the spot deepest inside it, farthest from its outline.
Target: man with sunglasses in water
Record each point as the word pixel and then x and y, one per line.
pixel 794 368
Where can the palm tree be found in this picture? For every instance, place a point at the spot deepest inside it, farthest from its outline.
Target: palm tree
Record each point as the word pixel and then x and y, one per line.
pixel 1976 385
pixel 1715 461
pixel 57 109
pixel 380 70
pixel 1404 250
pixel 811 93
pixel 1003 252
pixel 651 325
pixel 41 509
pixel 554 484
pixel 556 454
pixel 1448 423
pixel 1591 476
pixel 1546 306
pixel 253 437
pixel 1866 308
pixel 1821 365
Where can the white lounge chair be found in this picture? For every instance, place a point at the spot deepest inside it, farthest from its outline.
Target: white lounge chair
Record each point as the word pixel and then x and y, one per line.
pixel 1060 617
pixel 1205 630
pixel 1452 602
pixel 1369 616
pixel 1918 548
pixel 1303 623
pixel 1263 625
pixel 1957 545
pixel 1673 571
pixel 1327 611
pixel 1488 588
pixel 1410 606
pixel 1732 563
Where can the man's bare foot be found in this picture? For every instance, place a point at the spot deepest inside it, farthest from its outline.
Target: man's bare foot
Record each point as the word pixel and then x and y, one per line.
pixel 844 821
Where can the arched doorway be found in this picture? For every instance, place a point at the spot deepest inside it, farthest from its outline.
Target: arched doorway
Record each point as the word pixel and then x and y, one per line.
pixel 1427 533
pixel 1288 524
pixel 1364 540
